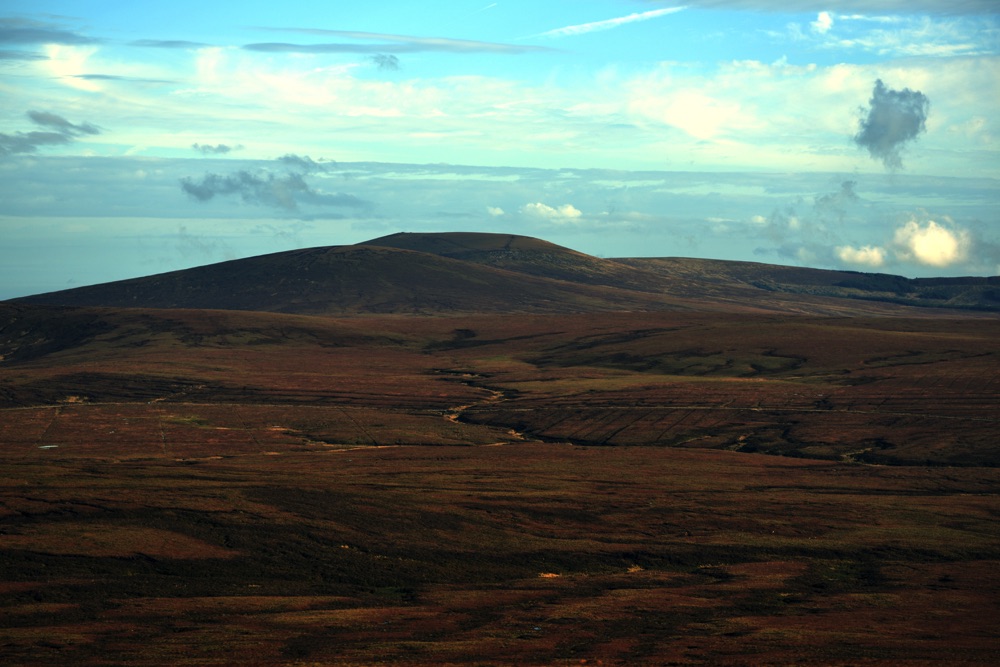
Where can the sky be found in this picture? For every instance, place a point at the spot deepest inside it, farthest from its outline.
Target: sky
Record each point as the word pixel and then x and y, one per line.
pixel 139 138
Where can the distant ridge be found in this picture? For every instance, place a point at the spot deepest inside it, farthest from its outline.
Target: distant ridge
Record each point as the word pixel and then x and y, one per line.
pixel 472 272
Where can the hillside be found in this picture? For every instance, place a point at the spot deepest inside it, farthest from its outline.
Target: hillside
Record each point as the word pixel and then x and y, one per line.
pixel 694 276
pixel 531 256
pixel 345 280
pixel 450 273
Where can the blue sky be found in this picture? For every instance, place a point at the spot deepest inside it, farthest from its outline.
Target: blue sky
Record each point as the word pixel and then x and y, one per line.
pixel 137 138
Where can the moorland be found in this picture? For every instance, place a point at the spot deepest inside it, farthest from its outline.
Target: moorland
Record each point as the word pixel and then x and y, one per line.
pixel 486 449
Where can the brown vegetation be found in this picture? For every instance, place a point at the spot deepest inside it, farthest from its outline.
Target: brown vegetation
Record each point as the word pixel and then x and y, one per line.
pixel 221 487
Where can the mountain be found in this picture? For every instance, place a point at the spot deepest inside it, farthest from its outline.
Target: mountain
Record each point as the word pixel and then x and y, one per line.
pixel 448 273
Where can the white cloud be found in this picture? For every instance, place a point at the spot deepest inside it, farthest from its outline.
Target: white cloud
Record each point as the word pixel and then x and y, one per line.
pixel 608 24
pixel 495 211
pixel 558 214
pixel 740 115
pixel 67 63
pixel 871 256
pixel 932 36
pixel 823 23
pixel 930 244
pixel 901 6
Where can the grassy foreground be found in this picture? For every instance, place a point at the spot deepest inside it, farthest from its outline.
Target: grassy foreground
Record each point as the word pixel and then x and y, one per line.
pixel 524 553
pixel 198 488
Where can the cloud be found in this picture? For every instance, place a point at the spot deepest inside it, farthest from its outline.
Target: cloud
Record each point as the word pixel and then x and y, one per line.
pixel 608 24
pixel 823 23
pixel 218 149
pixel 495 211
pixel 860 6
pixel 24 31
pixel 870 256
pixel 58 131
pixel 169 44
pixel 837 203
pixel 564 213
pixel 116 77
pixel 930 244
pixel 60 124
pixel 285 192
pixel 303 163
pixel 894 118
pixel 905 36
pixel 385 61
pixel 21 55
pixel 387 42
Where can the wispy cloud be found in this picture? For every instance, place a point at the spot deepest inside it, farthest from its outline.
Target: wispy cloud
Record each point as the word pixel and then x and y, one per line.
pixel 21 55
pixel 282 191
pixel 302 163
pixel 218 149
pixel 379 43
pixel 168 44
pixel 285 192
pixel 118 77
pixel 23 31
pixel 608 24
pixel 910 36
pixel 56 130
pixel 861 6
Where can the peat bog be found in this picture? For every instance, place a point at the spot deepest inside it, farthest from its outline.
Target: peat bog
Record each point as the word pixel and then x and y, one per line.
pixel 676 487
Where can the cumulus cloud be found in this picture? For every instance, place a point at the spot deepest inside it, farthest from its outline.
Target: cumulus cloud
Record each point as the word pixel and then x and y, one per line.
pixel 930 244
pixel 823 23
pixel 218 149
pixel 285 191
pixel 56 130
pixel 564 213
pixel 894 117
pixel 869 256
pixel 924 243
pixel 495 211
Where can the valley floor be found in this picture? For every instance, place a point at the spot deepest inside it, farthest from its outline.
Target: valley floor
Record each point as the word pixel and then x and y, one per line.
pixel 195 487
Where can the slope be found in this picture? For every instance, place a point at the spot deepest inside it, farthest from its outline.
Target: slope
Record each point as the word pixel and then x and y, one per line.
pixel 345 280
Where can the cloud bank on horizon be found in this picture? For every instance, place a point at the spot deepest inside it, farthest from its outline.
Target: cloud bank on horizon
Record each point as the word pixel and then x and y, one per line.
pixel 209 121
